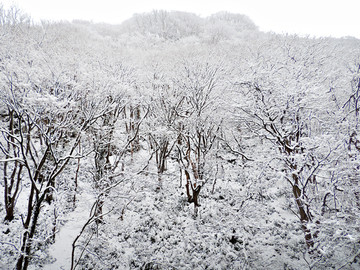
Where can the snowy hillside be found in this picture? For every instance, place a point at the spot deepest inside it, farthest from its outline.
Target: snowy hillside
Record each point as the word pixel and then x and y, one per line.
pixel 177 142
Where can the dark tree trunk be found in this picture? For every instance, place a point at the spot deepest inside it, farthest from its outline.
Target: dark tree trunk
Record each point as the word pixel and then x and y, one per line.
pixel 24 259
pixel 305 217
pixel 11 181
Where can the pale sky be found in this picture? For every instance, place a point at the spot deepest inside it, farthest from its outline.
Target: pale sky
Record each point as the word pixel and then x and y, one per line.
pixel 335 18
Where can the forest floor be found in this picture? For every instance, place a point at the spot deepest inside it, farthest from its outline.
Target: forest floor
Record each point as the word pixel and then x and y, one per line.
pixel 73 223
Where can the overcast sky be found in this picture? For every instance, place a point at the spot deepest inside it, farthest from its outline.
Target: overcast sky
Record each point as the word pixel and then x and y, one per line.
pixel 335 18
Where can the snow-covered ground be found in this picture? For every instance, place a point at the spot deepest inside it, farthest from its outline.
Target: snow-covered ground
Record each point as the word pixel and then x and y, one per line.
pixel 73 222
pixel 263 116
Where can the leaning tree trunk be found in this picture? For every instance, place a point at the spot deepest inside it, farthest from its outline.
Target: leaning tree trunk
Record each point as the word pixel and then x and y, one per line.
pixel 305 217
pixel 28 235
pixel 12 188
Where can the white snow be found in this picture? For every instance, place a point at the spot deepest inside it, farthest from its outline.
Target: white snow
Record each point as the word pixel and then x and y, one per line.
pixel 75 220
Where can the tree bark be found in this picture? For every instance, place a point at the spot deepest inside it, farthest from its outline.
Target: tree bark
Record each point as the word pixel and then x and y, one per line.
pixel 24 259
pixel 305 217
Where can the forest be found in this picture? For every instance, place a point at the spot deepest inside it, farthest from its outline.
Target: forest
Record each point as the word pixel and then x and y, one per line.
pixel 173 141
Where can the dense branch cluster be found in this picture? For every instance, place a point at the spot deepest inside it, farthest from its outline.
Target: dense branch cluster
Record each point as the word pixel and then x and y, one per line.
pixel 200 136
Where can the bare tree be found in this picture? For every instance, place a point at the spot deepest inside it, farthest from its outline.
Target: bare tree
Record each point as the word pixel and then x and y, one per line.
pixel 200 124
pixel 32 143
pixel 163 121
pixel 282 109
